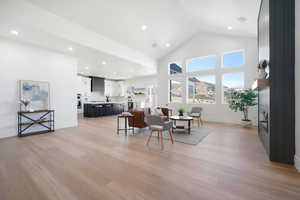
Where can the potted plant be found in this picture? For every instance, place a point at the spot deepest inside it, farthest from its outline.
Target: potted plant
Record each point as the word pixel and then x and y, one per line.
pixel 181 111
pixel 241 101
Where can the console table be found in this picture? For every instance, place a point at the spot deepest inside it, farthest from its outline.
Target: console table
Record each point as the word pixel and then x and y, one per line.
pixel 35 122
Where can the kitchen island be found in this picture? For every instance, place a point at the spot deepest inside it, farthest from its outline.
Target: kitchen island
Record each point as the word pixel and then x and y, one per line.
pixel 98 109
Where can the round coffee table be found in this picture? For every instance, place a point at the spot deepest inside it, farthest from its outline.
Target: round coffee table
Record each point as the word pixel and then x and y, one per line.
pixel 181 118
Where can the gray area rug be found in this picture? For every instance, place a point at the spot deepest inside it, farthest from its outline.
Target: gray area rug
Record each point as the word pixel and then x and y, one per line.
pixel 196 136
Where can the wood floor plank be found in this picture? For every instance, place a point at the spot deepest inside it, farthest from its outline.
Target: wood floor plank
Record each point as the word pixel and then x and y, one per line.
pixel 92 162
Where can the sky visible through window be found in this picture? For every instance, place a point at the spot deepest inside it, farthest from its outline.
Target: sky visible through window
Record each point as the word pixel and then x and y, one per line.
pixel 235 80
pixel 235 59
pixel 200 64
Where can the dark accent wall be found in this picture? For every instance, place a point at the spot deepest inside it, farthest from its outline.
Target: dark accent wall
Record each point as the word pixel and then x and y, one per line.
pixel 276 42
pixel 264 93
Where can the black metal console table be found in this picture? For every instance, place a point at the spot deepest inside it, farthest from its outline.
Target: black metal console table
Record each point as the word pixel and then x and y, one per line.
pixel 41 121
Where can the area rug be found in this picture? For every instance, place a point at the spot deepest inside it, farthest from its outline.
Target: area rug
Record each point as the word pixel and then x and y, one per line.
pixel 196 136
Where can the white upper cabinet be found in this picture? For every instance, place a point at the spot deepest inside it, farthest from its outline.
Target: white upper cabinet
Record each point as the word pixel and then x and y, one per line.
pixel 114 88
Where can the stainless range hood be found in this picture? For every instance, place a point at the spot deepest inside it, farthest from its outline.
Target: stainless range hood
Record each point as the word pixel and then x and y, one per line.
pixel 97 85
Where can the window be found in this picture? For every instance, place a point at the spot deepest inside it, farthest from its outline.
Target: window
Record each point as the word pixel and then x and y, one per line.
pixel 202 89
pixel 201 64
pixel 206 80
pixel 176 91
pixel 175 68
pixel 234 59
pixel 232 82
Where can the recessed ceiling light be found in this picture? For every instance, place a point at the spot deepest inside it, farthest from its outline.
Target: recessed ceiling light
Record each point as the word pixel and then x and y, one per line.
pixel 168 45
pixel 70 49
pixel 86 67
pixel 115 73
pixel 103 63
pixel 144 27
pixel 242 19
pixel 229 27
pixel 14 32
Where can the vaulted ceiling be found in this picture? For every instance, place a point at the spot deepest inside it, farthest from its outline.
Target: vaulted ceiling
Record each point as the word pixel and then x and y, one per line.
pixel 111 29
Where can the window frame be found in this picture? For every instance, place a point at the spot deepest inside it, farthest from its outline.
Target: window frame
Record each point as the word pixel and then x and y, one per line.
pixel 233 67
pixel 218 71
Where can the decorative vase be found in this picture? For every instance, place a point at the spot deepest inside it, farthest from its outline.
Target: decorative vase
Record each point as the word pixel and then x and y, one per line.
pixel 25 103
pixel 262 74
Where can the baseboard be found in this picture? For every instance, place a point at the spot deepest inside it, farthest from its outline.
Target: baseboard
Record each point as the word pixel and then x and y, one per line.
pixel 297 163
pixel 56 128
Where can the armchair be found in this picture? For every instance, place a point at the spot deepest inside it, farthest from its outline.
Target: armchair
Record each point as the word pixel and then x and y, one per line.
pixel 138 121
pixel 157 124
pixel 166 112
pixel 196 113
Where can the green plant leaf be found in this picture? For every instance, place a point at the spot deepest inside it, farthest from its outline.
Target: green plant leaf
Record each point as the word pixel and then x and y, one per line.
pixel 242 100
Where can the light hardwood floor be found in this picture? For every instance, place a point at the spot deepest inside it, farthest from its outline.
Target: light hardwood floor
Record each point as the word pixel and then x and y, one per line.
pixel 93 162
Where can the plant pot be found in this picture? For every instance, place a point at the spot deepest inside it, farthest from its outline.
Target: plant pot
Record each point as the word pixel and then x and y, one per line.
pixel 247 124
pixel 180 114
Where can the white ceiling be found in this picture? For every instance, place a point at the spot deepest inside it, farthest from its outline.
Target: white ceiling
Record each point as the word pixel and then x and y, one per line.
pixel 111 30
pixel 168 21
pixel 90 61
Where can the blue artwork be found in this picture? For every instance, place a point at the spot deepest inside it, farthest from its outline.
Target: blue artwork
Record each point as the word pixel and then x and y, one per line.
pixel 37 93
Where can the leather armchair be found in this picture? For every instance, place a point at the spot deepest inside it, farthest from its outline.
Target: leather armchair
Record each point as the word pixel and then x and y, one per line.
pixel 138 121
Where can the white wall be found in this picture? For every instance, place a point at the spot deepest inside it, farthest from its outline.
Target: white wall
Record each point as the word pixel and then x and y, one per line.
pixel 22 62
pixel 204 45
pixel 142 82
pixel 297 85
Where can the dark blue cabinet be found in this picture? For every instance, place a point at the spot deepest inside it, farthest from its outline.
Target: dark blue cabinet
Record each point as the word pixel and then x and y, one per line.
pixel 109 109
pixel 98 110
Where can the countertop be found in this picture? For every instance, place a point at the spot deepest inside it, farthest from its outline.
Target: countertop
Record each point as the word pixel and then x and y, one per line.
pixel 101 102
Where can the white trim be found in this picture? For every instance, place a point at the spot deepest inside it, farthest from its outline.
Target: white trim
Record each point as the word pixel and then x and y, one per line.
pixel 169 91
pixel 297 163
